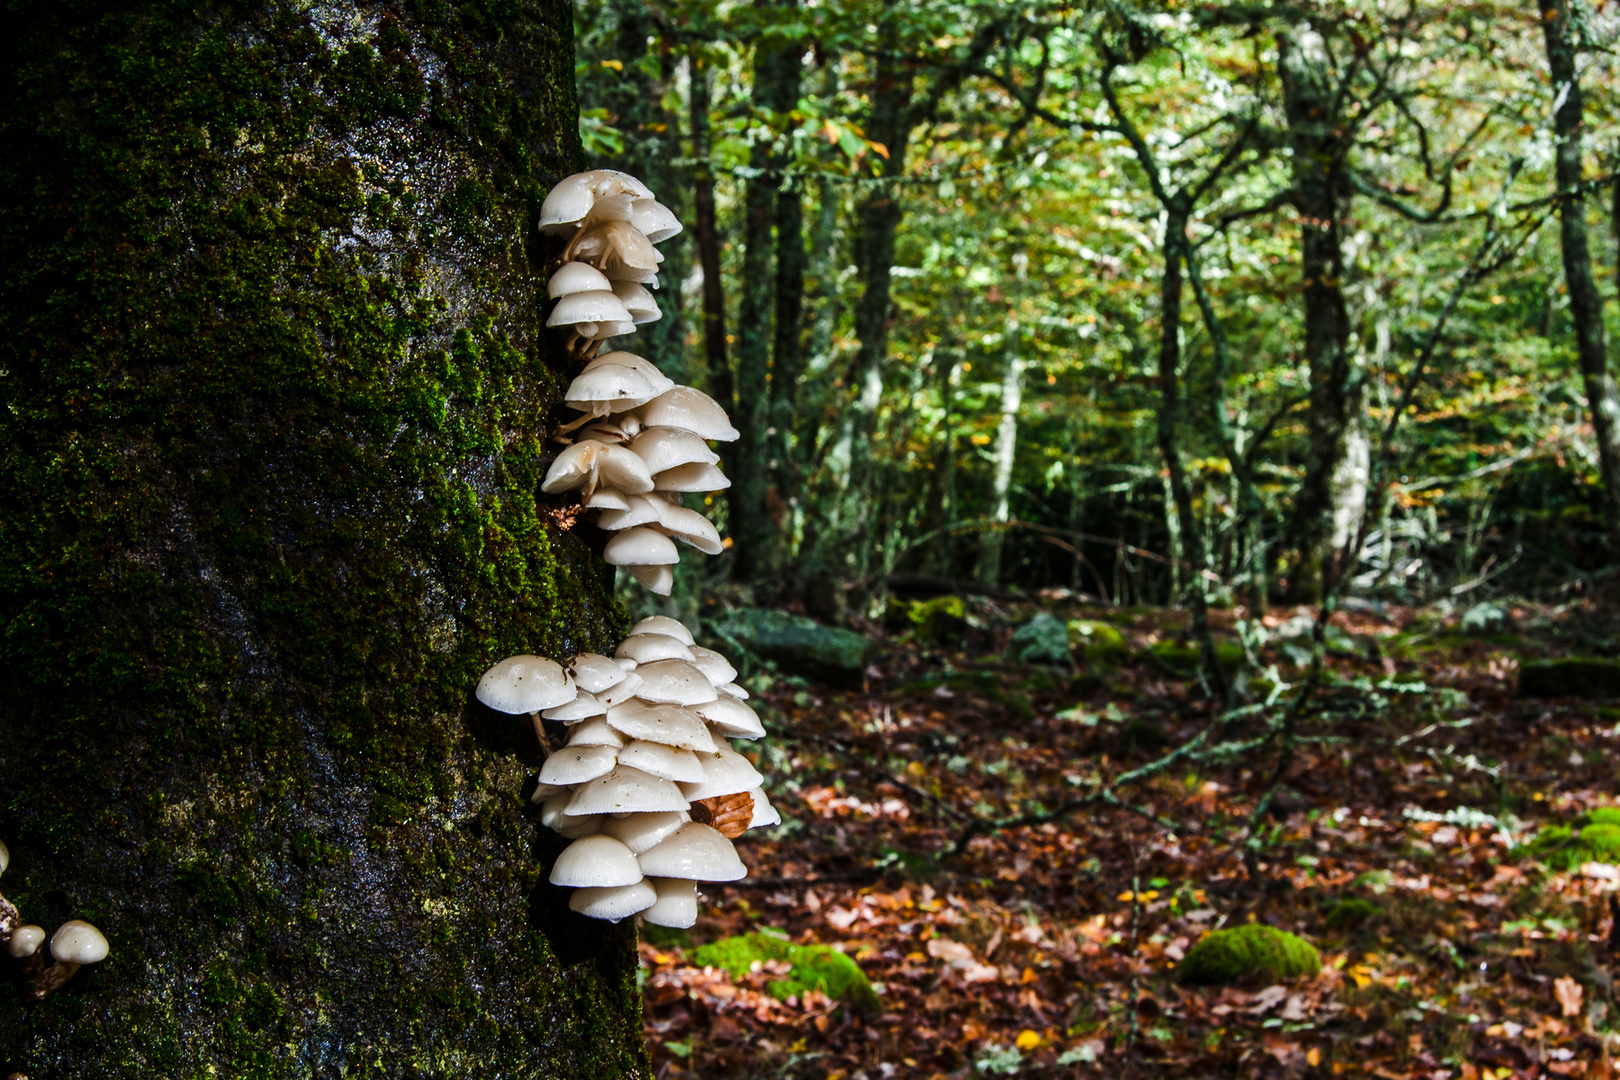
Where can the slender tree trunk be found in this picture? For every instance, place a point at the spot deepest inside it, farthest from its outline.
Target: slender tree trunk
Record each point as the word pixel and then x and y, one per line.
pixel 1321 195
pixel 787 352
pixel 1585 303
pixel 1012 393
pixel 273 411
pixel 706 235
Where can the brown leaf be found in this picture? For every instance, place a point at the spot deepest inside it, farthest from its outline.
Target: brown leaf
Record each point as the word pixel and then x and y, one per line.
pixel 1569 993
pixel 729 814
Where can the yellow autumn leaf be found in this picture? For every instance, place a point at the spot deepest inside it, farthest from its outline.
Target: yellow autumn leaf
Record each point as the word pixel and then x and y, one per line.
pixel 1028 1040
pixel 1313 1056
pixel 616 65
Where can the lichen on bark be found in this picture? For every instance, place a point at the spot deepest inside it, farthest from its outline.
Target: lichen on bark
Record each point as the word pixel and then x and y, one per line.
pixel 275 389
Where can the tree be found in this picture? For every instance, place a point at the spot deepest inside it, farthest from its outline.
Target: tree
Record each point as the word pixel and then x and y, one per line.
pixel 275 395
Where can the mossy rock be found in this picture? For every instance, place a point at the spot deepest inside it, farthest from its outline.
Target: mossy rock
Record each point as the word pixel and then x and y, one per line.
pixel 1564 847
pixel 1042 640
pixel 1251 953
pixel 1184 658
pixel 1574 677
pixel 1351 913
pixel 815 967
pixel 1096 642
pixel 940 621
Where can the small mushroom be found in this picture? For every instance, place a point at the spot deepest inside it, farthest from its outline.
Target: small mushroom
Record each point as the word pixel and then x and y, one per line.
pixel 594 672
pixel 525 684
pixel 614 903
pixel 663 624
pixel 24 945
pixel 725 772
pixel 665 448
pixel 588 463
pixel 676 905
pixel 674 682
pixel 608 389
pixel 764 813
pixel 617 248
pixel 655 579
pixel 660 382
pixel 74 944
pixel 659 759
pixel 641 511
pixel 618 695
pixel 697 476
pixel 5 856
pixel 645 648
pixel 695 852
pixel 690 410
pixel 596 861
pixel 583 707
pixel 607 499
pixel 731 718
pixel 587 312
pixel 553 818
pixel 577 764
pixel 665 724
pixel 595 732
pixel 714 666
pixel 639 832
pixel 640 547
pixel 577 277
pixel 641 305
pixel 626 790
pixel 655 220
pixel 690 528
pixel 573 197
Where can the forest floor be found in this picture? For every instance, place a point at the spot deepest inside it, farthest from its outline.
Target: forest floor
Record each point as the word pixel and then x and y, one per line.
pixel 1051 950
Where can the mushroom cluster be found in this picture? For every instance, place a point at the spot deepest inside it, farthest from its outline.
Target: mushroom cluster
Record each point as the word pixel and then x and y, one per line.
pixel 641 444
pixel 647 786
pixel 74 944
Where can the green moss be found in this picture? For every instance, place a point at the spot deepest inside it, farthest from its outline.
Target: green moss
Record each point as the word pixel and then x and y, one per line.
pixel 1350 913
pixel 1254 952
pixel 814 967
pixel 1603 815
pixel 1096 642
pixel 940 621
pixel 1185 658
pixel 1565 847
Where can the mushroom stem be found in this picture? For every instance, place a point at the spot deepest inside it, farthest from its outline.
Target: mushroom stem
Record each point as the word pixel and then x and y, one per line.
pixel 52 980
pixel 546 745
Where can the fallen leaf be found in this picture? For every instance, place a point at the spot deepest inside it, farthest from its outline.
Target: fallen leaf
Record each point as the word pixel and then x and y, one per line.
pixel 1569 993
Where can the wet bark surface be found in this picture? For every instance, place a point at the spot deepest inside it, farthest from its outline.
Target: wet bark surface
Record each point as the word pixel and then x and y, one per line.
pixel 276 387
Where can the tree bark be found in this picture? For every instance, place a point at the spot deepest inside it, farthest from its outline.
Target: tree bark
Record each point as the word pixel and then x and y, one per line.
pixel 1585 303
pixel 274 395
pixel 1321 195
pixel 1012 393
pixel 706 233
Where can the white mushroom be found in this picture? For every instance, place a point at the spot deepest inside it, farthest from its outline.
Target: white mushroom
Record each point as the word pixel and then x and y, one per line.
pixel 74 944
pixel 665 724
pixel 594 672
pixel 525 684
pixel 626 690
pixel 587 311
pixel 725 772
pixel 732 718
pixel 667 448
pixel 26 940
pixel 577 764
pixel 656 221
pixel 5 857
pixel 552 816
pixel 614 904
pixel 690 410
pixel 641 305
pixel 714 666
pixel 595 862
pixel 626 790
pixel 595 732
pixel 660 382
pixel 690 528
pixel 677 903
pixel 764 813
pixel 695 852
pixel 574 196
pixel 642 831
pixel 609 389
pixel 614 247
pixel 655 579
pixel 577 277
pixel 640 547
pixel 607 499
pixel 642 510
pixel 645 648
pixel 735 690
pixel 587 463
pixel 663 624
pixel 583 707
pixel 694 477
pixel 669 762
pixel 674 682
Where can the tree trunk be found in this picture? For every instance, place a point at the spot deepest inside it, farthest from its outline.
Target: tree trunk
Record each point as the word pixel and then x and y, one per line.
pixel 1585 304
pixel 706 234
pixel 1321 194
pixel 787 356
pixel 1012 392
pixel 776 92
pixel 273 414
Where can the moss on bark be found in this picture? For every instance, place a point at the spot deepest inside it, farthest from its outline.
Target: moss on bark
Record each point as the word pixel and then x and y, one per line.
pixel 275 387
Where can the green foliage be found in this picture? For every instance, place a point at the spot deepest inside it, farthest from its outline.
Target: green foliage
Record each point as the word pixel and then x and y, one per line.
pixel 940 621
pixel 814 967
pixel 1254 952
pixel 1096 642
pixel 1566 847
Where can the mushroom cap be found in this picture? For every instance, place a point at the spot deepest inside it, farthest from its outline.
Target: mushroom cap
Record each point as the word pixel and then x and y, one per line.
pixel 621 468
pixel 574 196
pixel 764 813
pixel 625 691
pixel 676 905
pixel 613 244
pixel 594 672
pixel 5 856
pixel 626 790
pixel 593 306
pixel 641 305
pixel 577 764
pixel 640 546
pixel 645 648
pixel 604 498
pixel 691 528
pixel 595 861
pixel 574 467
pixel 525 684
pixel 612 429
pixel 735 690
pixel 641 511
pixel 666 448
pixel 655 220
pixel 663 624
pixel 583 707
pixel 613 387
pixel 674 682
pixel 732 718
pixel 616 903
pixel 642 831
pixel 659 759
pixel 665 724
pixel 26 940
pixel 714 666
pixel 648 278
pixel 694 477
pixel 655 579
pixel 725 772
pixel 594 732
pixel 695 852
pixel 576 277
pixel 660 382
pixel 553 817
pixel 605 330
pixel 690 410
pixel 77 942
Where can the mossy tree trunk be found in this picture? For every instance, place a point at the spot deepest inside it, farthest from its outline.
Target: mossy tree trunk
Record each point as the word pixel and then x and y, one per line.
pixel 275 387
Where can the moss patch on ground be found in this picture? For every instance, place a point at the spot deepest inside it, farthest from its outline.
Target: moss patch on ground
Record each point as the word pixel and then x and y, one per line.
pixel 1248 953
pixel 814 967
pixel 1350 913
pixel 1566 847
pixel 1096 642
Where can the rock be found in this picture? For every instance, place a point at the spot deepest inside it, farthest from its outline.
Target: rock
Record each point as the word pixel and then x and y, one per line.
pixel 798 645
pixel 1575 676
pixel 1096 642
pixel 1251 953
pixel 1042 640
pixel 814 967
pixel 940 621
